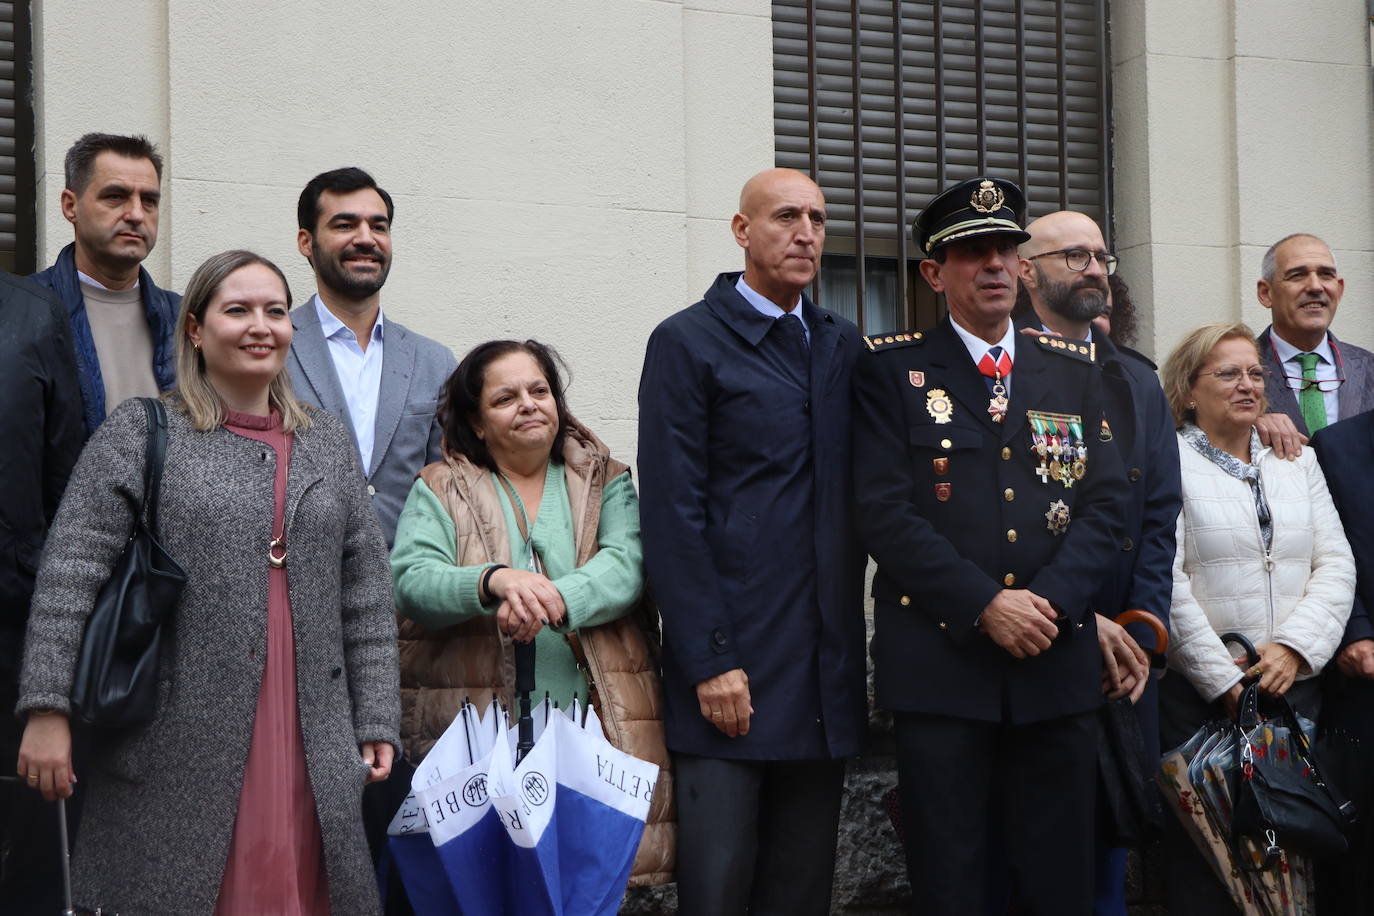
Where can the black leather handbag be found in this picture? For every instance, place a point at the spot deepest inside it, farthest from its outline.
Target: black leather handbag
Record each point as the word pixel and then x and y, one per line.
pixel 115 685
pixel 1282 805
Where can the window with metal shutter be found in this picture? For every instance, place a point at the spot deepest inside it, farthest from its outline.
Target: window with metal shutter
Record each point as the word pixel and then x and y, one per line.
pixel 1015 88
pixel 17 218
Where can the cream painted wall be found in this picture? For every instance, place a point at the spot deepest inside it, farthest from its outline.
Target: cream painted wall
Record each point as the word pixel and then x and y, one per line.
pixel 1237 122
pixel 562 169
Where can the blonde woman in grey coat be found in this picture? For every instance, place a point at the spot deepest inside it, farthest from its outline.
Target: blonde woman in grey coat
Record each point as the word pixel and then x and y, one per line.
pixel 277 695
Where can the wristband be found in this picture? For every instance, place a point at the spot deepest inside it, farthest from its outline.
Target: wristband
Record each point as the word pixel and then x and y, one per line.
pixel 484 588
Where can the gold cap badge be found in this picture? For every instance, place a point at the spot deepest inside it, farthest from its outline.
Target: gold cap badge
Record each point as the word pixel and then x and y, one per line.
pixel 987 197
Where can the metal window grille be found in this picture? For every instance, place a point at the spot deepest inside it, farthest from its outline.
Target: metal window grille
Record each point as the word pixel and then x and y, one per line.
pixel 17 166
pixel 887 102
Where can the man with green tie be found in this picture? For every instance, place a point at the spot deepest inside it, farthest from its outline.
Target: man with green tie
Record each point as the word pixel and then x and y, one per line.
pixel 1314 379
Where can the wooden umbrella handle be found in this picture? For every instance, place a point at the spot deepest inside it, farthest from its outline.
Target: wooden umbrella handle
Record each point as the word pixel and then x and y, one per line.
pixel 1137 615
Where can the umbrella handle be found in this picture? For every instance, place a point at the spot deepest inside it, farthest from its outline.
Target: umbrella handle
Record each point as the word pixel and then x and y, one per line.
pixel 1137 615
pixel 1251 656
pixel 524 685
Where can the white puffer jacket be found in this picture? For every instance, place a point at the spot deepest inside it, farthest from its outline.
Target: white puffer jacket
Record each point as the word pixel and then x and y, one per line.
pixel 1298 595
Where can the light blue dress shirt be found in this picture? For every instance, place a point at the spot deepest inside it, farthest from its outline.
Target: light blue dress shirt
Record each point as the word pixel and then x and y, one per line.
pixel 359 372
pixel 769 307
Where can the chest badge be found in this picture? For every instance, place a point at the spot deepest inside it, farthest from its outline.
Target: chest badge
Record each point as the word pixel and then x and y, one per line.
pixel 938 405
pixel 917 379
pixel 1058 444
pixel 1057 518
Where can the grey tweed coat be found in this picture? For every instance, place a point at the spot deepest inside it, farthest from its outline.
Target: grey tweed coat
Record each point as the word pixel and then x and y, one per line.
pixel 161 801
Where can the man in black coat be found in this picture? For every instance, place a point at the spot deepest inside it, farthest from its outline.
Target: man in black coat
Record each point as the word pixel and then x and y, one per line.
pixel 747 514
pixel 988 491
pixel 41 432
pixel 1064 270
pixel 1345 451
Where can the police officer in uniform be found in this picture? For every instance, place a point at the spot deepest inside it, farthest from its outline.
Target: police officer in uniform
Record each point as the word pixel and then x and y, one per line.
pixel 988 492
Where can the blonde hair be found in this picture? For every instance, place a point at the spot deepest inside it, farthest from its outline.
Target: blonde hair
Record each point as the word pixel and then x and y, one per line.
pixel 198 397
pixel 1181 369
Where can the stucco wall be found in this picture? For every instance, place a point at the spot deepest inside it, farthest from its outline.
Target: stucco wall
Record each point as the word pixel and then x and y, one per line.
pixel 1235 124
pixel 562 169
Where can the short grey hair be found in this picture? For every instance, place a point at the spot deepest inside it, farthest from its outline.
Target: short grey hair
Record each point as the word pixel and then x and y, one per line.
pixel 1269 264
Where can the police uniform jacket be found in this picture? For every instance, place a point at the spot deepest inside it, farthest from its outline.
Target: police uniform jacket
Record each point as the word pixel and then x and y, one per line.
pixel 747 517
pixel 1142 428
pixel 954 511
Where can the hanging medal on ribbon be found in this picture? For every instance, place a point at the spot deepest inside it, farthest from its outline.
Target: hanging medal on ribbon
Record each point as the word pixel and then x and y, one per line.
pixel 1058 444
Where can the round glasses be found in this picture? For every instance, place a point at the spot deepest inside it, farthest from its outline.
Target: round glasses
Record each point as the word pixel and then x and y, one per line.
pixel 1078 258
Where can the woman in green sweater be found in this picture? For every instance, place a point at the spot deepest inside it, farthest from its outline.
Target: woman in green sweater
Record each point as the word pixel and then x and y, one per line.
pixel 527 530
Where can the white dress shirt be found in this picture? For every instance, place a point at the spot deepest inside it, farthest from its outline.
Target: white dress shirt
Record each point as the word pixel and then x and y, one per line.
pixel 359 372
pixel 1326 370
pixel 978 348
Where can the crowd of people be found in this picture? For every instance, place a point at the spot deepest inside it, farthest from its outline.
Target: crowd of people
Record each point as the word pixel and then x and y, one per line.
pixel 368 527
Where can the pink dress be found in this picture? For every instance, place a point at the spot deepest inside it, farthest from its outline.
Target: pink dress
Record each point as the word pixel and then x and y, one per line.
pixel 276 858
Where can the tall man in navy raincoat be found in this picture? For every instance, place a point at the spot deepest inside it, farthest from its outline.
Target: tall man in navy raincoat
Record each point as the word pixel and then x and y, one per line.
pixel 747 513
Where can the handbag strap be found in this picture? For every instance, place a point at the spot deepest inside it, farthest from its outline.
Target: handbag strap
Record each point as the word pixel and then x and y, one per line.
pixel 156 452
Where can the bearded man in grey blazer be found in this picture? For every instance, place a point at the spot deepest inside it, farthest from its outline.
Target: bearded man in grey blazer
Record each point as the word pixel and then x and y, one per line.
pixel 380 378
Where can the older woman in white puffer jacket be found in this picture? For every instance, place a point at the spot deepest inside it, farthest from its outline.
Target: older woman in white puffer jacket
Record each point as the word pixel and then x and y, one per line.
pixel 1261 552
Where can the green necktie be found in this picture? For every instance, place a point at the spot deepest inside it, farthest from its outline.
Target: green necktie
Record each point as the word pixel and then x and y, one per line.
pixel 1310 400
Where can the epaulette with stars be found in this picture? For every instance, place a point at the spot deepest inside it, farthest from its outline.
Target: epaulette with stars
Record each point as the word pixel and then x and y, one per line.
pixel 892 341
pixel 1067 346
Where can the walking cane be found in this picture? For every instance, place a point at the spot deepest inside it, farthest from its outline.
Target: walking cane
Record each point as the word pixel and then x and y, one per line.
pixel 524 686
pixel 67 909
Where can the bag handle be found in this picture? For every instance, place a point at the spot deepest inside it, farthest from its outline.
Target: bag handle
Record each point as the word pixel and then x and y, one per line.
pixel 156 452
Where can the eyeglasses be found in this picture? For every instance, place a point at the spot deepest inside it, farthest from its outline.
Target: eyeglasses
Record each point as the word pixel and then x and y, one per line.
pixel 1078 258
pixel 1230 375
pixel 1325 386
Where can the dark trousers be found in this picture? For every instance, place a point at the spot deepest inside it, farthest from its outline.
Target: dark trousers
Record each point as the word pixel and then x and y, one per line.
pixel 756 836
pixel 380 802
pixel 961 779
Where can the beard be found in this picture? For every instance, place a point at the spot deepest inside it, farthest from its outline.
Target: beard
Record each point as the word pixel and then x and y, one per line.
pixel 1082 300
pixel 337 277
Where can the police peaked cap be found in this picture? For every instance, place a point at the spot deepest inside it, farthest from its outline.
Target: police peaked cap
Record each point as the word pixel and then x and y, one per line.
pixel 979 206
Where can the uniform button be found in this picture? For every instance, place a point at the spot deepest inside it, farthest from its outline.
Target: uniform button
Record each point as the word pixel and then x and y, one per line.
pixel 1008 494
pixel 906 600
pixel 945 443
pixel 943 625
pixel 1128 544
pixel 1009 579
pixel 335 673
pixel 371 490
pixel 718 637
pixel 1011 535
pixel 1080 626
pixel 1006 454
pixel 1134 474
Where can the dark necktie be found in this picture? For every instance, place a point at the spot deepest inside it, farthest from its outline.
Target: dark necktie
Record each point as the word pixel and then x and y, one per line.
pixel 792 336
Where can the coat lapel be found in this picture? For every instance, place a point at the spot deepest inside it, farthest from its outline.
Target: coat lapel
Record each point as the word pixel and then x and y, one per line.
pixel 312 352
pixel 825 337
pixel 1355 396
pixel 398 363
pixel 1028 382
pixel 1276 390
pixel 305 469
